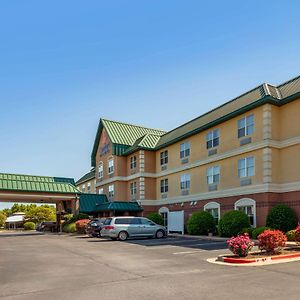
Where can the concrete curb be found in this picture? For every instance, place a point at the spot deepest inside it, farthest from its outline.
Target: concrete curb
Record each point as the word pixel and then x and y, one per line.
pixel 20 234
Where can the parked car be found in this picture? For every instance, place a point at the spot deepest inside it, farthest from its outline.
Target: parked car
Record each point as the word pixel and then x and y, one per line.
pixel 94 227
pixel 46 226
pixel 126 227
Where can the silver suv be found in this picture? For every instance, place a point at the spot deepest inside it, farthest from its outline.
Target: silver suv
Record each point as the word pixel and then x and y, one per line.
pixel 123 228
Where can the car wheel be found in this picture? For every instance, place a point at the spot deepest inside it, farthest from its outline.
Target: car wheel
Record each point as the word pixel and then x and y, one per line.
pixel 123 235
pixel 159 234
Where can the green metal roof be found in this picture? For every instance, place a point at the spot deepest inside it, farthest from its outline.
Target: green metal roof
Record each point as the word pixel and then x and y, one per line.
pixel 91 203
pixel 122 136
pixel 30 183
pixel 88 176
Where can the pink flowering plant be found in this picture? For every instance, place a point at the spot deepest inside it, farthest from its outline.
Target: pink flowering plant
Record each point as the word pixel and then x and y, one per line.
pixel 240 245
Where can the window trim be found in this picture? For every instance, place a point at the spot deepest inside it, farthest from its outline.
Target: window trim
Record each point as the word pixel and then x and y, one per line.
pixel 186 184
pixel 246 126
pixel 133 162
pixel 100 165
pixel 217 175
pixel 213 205
pixel 244 202
pixel 215 141
pixel 164 186
pixel 111 190
pixel 110 169
pixel 133 188
pixel 164 157
pixel 246 167
pixel 186 151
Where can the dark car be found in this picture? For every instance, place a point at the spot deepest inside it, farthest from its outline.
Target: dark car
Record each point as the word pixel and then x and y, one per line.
pixel 46 226
pixel 94 227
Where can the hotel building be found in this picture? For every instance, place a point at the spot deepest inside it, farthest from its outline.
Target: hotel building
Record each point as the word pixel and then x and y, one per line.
pixel 244 155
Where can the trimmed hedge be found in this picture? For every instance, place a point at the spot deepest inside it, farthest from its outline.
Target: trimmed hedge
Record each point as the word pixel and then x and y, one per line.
pixel 156 218
pixel 248 230
pixel 291 235
pixel 29 226
pixel 69 228
pixel 232 223
pixel 258 230
pixel 201 223
pixel 282 217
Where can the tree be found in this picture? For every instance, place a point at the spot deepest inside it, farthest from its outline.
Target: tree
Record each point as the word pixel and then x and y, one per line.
pixel 41 213
pixel 2 219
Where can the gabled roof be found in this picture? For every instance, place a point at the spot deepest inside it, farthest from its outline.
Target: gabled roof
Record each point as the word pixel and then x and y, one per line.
pixel 88 176
pixel 30 183
pixel 122 135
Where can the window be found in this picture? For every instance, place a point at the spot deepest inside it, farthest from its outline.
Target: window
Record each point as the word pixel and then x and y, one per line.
pixel 89 187
pixel 101 191
pixel 246 126
pixel 124 221
pixel 83 188
pixel 132 162
pixel 164 186
pixel 164 157
pixel 111 191
pixel 133 188
pixel 248 206
pixel 100 170
pixel 214 209
pixel 185 181
pixel 213 175
pixel 110 166
pixel 212 139
pixel 246 167
pixel 185 150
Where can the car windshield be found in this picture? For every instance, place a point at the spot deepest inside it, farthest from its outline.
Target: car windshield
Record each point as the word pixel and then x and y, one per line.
pixel 107 221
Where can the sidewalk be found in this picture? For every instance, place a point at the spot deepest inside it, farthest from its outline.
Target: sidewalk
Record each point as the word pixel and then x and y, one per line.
pixel 10 233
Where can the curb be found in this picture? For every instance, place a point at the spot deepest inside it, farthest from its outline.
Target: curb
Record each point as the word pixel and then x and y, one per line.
pixel 232 260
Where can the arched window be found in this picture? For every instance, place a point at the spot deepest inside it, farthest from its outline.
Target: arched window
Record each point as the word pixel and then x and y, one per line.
pixel 248 206
pixel 164 211
pixel 214 209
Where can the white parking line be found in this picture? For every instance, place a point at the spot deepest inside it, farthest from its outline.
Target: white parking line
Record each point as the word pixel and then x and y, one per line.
pixel 187 252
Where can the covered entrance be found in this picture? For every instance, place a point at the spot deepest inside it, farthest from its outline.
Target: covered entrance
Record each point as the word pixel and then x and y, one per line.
pixel 41 189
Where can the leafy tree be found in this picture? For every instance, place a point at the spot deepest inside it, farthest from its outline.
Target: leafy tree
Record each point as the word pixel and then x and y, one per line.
pixel 6 211
pixel 41 213
pixel 2 219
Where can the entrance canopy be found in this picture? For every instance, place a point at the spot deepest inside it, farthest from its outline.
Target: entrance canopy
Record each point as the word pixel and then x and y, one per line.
pixel 39 189
pixel 94 204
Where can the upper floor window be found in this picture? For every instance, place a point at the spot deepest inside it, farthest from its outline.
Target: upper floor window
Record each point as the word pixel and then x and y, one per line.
pixel 213 175
pixel 100 170
pixel 246 167
pixel 164 157
pixel 164 186
pixel 133 188
pixel 212 139
pixel 184 150
pixel 246 126
pixel 83 188
pixel 185 181
pixel 101 191
pixel 110 166
pixel 132 162
pixel 111 191
pixel 89 187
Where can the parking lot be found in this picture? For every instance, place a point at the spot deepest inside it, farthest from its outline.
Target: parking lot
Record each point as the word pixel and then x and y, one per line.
pixel 79 267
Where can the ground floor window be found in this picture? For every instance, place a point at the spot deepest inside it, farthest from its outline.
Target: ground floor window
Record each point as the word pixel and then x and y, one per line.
pixel 214 209
pixel 164 211
pixel 248 206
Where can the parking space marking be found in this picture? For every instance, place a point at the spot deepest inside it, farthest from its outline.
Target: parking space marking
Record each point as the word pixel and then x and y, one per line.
pixel 188 252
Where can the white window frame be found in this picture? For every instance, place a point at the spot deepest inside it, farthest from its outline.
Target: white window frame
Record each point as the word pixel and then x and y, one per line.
pixel 88 187
pixel 83 188
pixel 185 181
pixel 110 166
pixel 101 191
pixel 213 175
pixel 246 202
pixel 246 126
pixel 212 139
pixel 164 186
pixel 185 150
pixel 133 162
pixel 213 205
pixel 133 188
pixel 164 157
pixel 111 191
pixel 100 170
pixel 245 165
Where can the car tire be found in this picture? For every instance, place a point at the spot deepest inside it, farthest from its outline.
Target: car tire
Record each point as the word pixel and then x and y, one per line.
pixel 159 234
pixel 123 235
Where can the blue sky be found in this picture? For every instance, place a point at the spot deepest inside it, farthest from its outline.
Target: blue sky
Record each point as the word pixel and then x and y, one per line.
pixel 65 64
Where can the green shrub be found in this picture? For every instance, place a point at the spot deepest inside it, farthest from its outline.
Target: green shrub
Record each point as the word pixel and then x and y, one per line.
pixel 68 217
pixel 2 219
pixel 201 223
pixel 282 217
pixel 29 226
pixel 73 218
pixel 232 222
pixel 291 235
pixel 69 228
pixel 258 230
pixel 156 218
